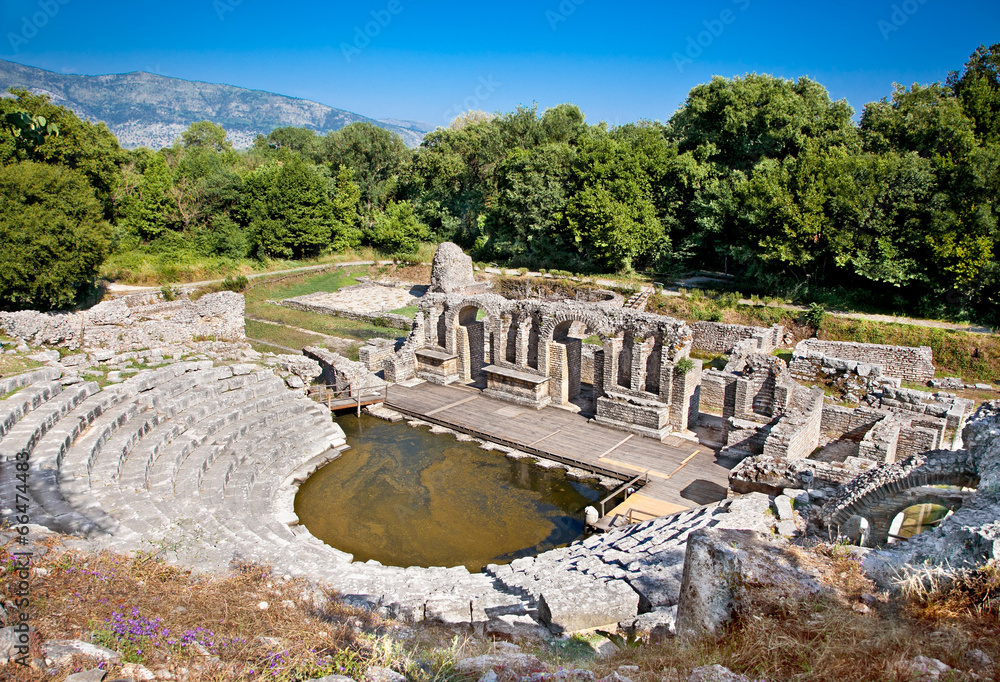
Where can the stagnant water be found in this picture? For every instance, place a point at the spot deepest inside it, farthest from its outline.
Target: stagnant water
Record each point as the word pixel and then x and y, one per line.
pixel 407 497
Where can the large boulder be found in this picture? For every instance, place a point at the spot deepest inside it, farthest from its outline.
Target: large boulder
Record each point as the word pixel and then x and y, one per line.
pixel 451 272
pixel 722 567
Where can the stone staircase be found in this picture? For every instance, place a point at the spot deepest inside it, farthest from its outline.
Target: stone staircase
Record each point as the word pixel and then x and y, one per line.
pixel 637 301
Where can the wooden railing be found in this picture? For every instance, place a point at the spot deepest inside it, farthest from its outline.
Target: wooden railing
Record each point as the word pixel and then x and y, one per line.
pixel 338 399
pixel 644 476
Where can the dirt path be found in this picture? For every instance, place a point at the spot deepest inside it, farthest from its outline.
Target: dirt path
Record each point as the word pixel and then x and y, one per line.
pixel 116 288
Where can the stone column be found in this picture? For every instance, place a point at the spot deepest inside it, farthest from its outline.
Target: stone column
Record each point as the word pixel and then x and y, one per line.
pixel 523 337
pixel 464 355
pixel 558 366
pixel 612 350
pixel 640 353
pixel 598 373
pixel 684 399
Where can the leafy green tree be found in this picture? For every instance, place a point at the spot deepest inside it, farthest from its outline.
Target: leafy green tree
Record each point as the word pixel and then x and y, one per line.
pixel 612 216
pixel 91 149
pixel 397 230
pixel 345 198
pixel 287 210
pixel 377 156
pixel 528 221
pixel 978 89
pixel 54 235
pixel 144 203
pixel 740 121
pixel 302 141
pixel 205 135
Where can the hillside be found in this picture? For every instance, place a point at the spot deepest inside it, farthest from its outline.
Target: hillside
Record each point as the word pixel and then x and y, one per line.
pixel 144 109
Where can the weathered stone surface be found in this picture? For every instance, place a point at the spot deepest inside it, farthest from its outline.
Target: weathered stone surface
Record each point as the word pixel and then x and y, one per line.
pixel 451 271
pixel 62 650
pixel 715 673
pixel 510 662
pixel 379 674
pixel 656 625
pixel 719 565
pixel 588 604
pixel 95 675
pixel 923 669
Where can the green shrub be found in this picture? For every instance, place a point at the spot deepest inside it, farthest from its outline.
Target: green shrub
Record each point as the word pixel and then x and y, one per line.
pixel 167 293
pixel 239 283
pixel 685 365
pixel 814 315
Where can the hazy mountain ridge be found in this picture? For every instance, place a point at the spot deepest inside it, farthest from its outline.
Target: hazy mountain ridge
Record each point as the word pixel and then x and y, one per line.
pixel 145 109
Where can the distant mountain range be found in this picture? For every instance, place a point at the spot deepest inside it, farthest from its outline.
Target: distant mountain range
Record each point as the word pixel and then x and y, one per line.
pixel 147 110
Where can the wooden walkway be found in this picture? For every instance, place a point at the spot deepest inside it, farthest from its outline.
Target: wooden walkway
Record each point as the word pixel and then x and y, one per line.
pixel 681 473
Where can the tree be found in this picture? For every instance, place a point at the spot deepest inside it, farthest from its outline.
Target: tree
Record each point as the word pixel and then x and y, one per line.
pixel 397 230
pixel 377 156
pixel 205 135
pixel 978 89
pixel 144 203
pixel 287 210
pixel 740 121
pixel 54 235
pixel 345 197
pixel 80 145
pixel 612 217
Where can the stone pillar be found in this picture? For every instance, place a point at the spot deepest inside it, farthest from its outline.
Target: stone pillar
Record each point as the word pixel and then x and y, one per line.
pixel 574 348
pixel 640 353
pixel 666 375
pixel 475 335
pixel 598 374
pixel 684 398
pixel 558 366
pixel 523 338
pixel 464 355
pixel 612 351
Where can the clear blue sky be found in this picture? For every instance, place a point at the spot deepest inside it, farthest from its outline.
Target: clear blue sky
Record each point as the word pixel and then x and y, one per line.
pixel 618 62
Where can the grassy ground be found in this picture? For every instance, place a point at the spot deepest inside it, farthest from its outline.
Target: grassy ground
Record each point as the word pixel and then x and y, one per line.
pixel 280 332
pixel 251 624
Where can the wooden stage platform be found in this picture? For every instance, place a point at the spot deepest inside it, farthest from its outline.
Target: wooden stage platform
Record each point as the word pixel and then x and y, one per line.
pixel 681 473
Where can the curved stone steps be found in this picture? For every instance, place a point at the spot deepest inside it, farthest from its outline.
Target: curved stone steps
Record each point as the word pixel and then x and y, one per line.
pixel 29 398
pixel 23 436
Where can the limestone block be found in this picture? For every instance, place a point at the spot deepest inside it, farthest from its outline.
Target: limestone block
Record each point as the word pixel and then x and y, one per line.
pixel 719 565
pixel 580 604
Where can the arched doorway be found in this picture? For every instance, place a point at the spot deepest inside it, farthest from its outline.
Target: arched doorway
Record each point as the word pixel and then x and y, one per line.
pixel 572 366
pixel 474 344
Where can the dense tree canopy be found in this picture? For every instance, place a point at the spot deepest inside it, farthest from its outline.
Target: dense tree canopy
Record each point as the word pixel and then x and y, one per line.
pixel 53 233
pixel 765 178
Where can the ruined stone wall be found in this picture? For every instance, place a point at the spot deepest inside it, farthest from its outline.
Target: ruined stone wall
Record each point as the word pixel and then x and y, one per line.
pixel 375 352
pixel 902 362
pixel 945 405
pixel 718 392
pixel 839 421
pixel 796 434
pixel 133 323
pixel 587 351
pixel 719 338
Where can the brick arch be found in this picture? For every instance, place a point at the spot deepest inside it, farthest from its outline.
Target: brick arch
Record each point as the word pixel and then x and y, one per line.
pixel 873 494
pixel 597 324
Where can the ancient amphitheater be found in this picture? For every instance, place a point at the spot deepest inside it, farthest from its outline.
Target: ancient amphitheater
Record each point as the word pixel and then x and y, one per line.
pixel 195 447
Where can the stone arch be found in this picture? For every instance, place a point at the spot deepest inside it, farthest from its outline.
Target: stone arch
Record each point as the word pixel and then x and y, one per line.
pixel 881 493
pixel 472 338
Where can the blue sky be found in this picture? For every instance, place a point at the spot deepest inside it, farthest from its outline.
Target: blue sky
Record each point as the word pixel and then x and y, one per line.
pixel 421 59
